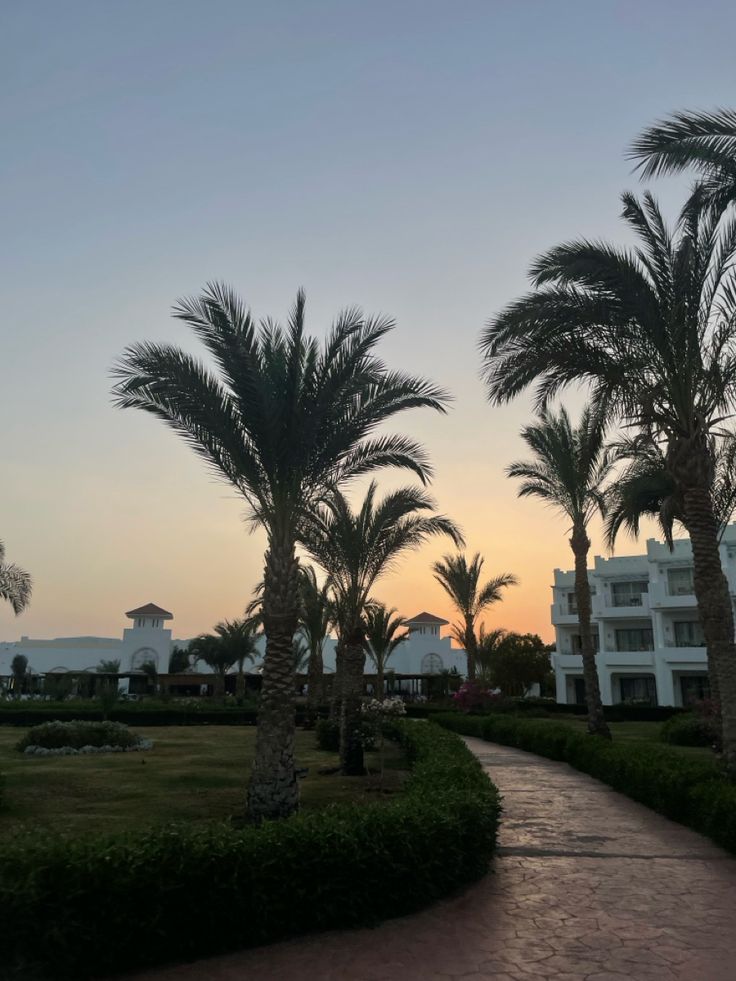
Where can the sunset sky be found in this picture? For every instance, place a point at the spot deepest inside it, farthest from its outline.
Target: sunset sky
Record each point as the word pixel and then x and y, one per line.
pixel 409 157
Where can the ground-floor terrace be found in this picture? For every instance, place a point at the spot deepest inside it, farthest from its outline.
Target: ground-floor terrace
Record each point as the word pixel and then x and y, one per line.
pixel 587 884
pixel 678 678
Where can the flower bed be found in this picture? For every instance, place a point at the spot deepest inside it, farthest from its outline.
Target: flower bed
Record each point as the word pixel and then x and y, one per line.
pixel 71 905
pixel 80 737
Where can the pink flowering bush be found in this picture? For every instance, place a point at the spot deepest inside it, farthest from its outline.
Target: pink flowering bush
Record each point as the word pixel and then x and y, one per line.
pixel 473 696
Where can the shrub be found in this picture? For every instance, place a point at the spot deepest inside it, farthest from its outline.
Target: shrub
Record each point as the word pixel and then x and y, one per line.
pixel 328 735
pixel 76 734
pixel 71 905
pixel 693 792
pixel 473 696
pixel 689 730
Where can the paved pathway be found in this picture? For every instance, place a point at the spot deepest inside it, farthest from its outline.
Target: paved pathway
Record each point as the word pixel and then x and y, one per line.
pixel 587 885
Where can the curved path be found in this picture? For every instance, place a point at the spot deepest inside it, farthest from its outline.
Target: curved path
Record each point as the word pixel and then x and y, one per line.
pixel 587 885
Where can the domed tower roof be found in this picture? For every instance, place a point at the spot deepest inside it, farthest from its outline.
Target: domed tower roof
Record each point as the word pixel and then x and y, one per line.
pixel 150 610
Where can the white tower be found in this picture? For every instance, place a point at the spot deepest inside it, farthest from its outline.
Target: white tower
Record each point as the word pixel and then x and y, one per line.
pixel 147 639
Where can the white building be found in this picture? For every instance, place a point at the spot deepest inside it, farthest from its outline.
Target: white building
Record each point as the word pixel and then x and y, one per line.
pixel 147 640
pixel 645 626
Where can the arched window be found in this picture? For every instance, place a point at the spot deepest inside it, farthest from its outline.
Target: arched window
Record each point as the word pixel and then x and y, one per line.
pixel 432 664
pixel 142 655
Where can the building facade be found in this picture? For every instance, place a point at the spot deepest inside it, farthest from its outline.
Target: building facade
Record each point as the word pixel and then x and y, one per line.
pixel 149 639
pixel 649 641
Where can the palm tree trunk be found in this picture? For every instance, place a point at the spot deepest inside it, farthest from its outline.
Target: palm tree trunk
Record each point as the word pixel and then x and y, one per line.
pixel 470 649
pixel 336 693
pixel 380 683
pixel 273 790
pixel 690 463
pixel 314 680
pixel 219 691
pixel 240 686
pixel 580 545
pixel 351 743
pixel 713 597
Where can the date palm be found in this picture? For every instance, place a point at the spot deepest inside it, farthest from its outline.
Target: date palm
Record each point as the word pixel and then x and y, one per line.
pixel 315 619
pixel 355 549
pixel 382 626
pixel 285 419
pixel 568 471
pixel 232 642
pixel 653 334
pixel 701 141
pixel 15 584
pixel 461 580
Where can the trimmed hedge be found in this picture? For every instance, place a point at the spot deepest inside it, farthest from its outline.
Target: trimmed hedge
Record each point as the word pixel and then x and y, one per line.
pixel 78 908
pixel 689 730
pixel 693 792
pixel 78 733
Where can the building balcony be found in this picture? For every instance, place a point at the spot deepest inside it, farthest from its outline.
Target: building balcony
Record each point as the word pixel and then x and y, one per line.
pixel 684 655
pixel 606 608
pixel 562 616
pixel 662 599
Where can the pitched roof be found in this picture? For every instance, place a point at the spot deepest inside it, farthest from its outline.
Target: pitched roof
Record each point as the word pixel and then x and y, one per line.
pixel 150 610
pixel 427 618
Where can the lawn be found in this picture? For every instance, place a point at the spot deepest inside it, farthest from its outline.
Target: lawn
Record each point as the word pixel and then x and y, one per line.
pixel 193 773
pixel 634 732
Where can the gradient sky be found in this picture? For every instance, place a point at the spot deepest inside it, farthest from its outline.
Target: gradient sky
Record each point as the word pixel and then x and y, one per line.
pixel 410 157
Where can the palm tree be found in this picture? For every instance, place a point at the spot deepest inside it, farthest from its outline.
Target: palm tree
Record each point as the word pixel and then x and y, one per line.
pixel 701 141
pixel 381 632
pixel 150 670
pixel 15 584
pixel 489 643
pixel 315 619
pixel 285 420
pixel 356 548
pixel 568 472
pixel 301 655
pixel 653 334
pixel 179 660
pixel 19 670
pixel 233 642
pixel 109 667
pixel 460 579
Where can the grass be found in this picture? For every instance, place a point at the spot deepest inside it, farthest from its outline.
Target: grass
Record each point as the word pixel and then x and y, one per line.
pixel 193 773
pixel 633 732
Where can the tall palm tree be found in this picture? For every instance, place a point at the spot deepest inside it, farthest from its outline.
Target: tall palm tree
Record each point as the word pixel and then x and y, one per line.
pixel 285 419
pixel 179 660
pixel 568 471
pixel 701 141
pixel 356 548
pixel 315 619
pixel 653 334
pixel 382 638
pixel 461 580
pixel 15 584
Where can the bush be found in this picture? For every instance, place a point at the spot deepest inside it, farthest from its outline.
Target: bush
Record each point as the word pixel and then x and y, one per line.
pixel 76 734
pixel 693 792
pixel 71 905
pixel 328 735
pixel 689 730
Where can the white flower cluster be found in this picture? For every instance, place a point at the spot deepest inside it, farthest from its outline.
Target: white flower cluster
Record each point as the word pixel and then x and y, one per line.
pixel 70 751
pixel 386 708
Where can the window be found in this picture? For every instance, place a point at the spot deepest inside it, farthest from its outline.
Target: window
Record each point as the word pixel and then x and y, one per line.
pixel 680 582
pixel 572 603
pixel 639 689
pixel 689 633
pixel 694 688
pixel 635 639
pixel 577 644
pixel 432 664
pixel 628 593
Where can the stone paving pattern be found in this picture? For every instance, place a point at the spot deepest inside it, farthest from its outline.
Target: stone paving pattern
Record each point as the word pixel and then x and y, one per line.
pixel 587 885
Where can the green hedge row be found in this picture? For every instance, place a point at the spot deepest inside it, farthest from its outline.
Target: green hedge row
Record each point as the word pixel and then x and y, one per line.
pixel 132 715
pixel 693 792
pixel 75 908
